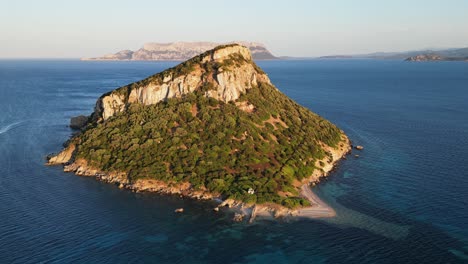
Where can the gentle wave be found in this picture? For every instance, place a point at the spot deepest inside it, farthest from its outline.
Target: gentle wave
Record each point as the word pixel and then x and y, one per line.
pixel 9 127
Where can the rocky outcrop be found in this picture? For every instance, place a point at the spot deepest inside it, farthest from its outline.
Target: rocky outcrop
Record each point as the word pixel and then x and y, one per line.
pixel 63 157
pixel 110 104
pixel 180 51
pixel 78 122
pixel 227 82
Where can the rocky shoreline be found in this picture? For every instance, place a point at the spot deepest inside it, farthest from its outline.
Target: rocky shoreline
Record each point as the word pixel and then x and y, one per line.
pixel 243 211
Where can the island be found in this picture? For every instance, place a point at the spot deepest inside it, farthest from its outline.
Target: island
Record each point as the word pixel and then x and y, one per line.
pixel 179 51
pixel 435 57
pixel 212 127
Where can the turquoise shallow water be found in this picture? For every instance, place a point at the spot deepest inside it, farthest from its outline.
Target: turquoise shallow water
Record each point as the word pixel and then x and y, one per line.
pixel 404 200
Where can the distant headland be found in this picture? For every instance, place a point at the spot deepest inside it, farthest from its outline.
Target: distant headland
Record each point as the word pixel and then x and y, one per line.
pixel 454 54
pixel 180 51
pixel 435 57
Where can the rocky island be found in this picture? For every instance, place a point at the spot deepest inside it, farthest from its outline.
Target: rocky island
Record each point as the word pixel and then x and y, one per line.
pixel 180 51
pixel 212 127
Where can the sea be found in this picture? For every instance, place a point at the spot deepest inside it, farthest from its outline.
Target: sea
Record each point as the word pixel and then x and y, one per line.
pixel 403 200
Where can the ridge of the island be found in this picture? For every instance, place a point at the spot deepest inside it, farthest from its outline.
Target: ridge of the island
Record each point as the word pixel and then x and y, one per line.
pixel 212 127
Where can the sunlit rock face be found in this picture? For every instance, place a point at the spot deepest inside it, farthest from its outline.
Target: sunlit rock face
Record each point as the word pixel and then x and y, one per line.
pixel 213 69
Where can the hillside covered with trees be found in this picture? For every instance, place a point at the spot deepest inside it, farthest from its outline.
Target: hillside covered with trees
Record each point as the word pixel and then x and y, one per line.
pixel 262 141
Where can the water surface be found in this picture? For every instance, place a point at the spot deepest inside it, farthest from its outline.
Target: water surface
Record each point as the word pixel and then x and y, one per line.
pixel 404 200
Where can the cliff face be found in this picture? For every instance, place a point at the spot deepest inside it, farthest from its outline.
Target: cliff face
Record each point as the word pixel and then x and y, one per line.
pixel 181 51
pixel 228 71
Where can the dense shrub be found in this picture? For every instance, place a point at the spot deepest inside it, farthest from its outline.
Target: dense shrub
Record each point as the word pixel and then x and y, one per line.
pixel 222 148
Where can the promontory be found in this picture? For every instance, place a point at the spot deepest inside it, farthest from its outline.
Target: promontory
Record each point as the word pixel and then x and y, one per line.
pixel 211 127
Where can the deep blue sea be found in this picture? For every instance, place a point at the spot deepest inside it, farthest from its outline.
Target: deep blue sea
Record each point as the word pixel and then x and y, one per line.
pixel 404 200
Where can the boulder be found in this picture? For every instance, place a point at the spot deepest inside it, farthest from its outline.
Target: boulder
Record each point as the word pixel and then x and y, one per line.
pixel 359 147
pixel 78 122
pixel 238 217
pixel 179 210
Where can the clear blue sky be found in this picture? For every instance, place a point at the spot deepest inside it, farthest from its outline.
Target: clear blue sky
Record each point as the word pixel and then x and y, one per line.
pixel 62 28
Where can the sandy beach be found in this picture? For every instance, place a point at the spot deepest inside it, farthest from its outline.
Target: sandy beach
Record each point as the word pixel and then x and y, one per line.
pixel 318 209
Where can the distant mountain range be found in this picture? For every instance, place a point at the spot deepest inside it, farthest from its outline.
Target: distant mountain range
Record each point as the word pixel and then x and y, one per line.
pixel 180 51
pixel 453 54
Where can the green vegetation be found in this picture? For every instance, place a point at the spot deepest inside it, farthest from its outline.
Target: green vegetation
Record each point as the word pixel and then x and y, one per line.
pixel 215 145
pixel 187 67
pixel 211 144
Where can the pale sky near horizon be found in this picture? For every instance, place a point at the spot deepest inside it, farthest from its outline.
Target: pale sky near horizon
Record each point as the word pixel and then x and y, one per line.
pixel 86 28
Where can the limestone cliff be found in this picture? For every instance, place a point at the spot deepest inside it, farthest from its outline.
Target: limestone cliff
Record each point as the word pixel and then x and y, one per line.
pixel 63 157
pixel 225 73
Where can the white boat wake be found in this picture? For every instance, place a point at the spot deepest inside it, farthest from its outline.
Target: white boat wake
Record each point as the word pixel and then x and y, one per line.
pixel 9 127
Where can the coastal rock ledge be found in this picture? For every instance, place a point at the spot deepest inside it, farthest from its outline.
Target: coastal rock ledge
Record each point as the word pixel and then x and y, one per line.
pixel 213 127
